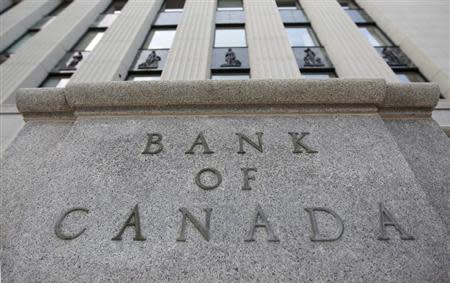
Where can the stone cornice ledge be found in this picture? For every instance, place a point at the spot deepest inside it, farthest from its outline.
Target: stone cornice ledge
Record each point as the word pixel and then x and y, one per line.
pixel 229 97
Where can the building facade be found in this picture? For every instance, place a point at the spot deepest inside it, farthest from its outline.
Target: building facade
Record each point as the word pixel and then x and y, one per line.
pixel 225 140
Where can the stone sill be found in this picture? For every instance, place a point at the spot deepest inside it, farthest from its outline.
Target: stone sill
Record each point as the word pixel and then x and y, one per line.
pixel 228 97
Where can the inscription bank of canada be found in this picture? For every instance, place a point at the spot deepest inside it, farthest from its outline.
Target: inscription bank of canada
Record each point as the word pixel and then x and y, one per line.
pixel 154 145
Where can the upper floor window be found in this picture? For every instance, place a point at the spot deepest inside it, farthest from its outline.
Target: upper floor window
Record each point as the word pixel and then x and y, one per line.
pixel 115 7
pixel 226 5
pixel 159 39
pixel 301 36
pixel 375 36
pixel 173 5
pixel 348 4
pixel 410 77
pixel 287 4
pixel 89 40
pixel 230 37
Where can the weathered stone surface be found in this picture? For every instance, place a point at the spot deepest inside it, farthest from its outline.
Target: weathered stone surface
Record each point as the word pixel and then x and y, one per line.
pixel 99 166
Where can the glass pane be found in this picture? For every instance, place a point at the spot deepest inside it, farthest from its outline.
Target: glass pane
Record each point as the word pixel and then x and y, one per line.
pixel 348 4
pixel 318 76
pixel 16 45
pixel 159 39
pixel 59 9
pixel 287 4
pixel 89 41
pixel 374 36
pixel 227 77
pixel 104 21
pixel 301 37
pixel 229 5
pixel 56 81
pixel 410 77
pixel 358 16
pixel 143 77
pixel 174 5
pixel 43 22
pixel 115 7
pixel 232 37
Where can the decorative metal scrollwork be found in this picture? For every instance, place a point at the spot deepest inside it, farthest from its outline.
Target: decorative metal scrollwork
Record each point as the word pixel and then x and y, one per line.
pixel 393 56
pixel 231 60
pixel 311 60
pixel 151 62
pixel 76 58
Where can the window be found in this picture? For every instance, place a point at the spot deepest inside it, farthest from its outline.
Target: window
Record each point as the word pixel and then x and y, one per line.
pixel 348 4
pixel 301 36
pixel 18 43
pixel 144 77
pixel 58 81
pixel 173 5
pixel 410 77
pixel 115 7
pixel 89 40
pixel 230 37
pixel 159 39
pixel 375 36
pixel 230 76
pixel 287 4
pixel 227 5
pixel 318 75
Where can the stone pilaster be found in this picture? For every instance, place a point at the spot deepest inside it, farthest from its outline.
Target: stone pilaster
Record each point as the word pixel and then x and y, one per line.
pixel 190 55
pixel 32 62
pixel 270 52
pixel 15 22
pixel 112 57
pixel 348 49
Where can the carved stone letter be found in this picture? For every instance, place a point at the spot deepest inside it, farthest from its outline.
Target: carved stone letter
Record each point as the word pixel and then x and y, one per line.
pixel 271 237
pixel 204 230
pixel 200 140
pixel 243 138
pixel 387 219
pixel 198 179
pixel 58 225
pixel 153 139
pixel 316 237
pixel 298 145
pixel 247 178
pixel 132 221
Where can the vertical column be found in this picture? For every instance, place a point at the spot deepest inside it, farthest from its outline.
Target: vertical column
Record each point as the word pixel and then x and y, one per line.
pixel 32 62
pixel 21 17
pixel 270 52
pixel 114 54
pixel 348 49
pixel 190 55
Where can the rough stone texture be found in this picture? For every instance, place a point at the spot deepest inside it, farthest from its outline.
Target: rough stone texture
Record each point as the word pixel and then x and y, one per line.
pixel 351 53
pixel 38 56
pixel 427 150
pixel 99 165
pixel 420 28
pixel 15 22
pixel 190 54
pixel 269 51
pixel 126 35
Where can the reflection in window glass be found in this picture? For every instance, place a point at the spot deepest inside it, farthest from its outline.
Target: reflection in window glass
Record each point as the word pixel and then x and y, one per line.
pixel 229 76
pixel 173 5
pixel 13 48
pixel 318 76
pixel 89 41
pixel 230 37
pixel 410 77
pixel 143 77
pixel 159 39
pixel 301 37
pixel 348 4
pixel 287 4
pixel 58 81
pixel 224 5
pixel 115 7
pixel 374 36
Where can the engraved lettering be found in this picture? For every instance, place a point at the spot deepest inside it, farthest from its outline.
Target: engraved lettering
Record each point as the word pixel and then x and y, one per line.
pixel 200 140
pixel 299 145
pixel 247 178
pixel 316 236
pixel 153 141
pixel 387 219
pixel 132 221
pixel 203 229
pixel 271 237
pixel 243 138
pixel 199 182
pixel 58 231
